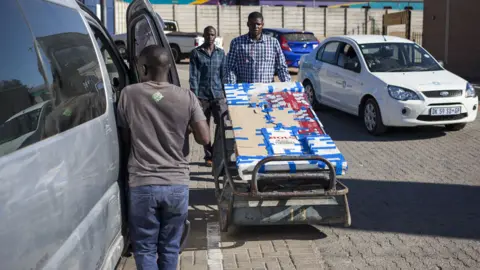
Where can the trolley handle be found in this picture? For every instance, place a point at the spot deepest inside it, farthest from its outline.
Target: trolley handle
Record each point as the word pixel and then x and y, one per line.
pixel 255 173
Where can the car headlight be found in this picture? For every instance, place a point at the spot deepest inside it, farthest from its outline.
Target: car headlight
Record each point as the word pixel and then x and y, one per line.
pixel 400 93
pixel 470 91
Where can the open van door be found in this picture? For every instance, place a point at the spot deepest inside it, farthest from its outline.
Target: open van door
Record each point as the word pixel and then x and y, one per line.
pixel 144 28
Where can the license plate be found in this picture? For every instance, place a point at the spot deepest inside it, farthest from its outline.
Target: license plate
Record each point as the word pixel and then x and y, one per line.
pixel 446 111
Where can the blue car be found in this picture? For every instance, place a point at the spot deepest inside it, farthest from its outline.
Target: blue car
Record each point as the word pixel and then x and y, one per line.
pixel 294 43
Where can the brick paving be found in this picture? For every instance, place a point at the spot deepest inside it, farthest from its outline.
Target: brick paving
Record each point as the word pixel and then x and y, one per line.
pixel 414 199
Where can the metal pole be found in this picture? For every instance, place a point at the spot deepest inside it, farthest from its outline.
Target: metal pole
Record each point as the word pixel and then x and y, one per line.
pixel 103 8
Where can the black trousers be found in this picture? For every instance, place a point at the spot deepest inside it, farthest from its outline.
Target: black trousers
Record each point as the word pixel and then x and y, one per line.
pixel 212 108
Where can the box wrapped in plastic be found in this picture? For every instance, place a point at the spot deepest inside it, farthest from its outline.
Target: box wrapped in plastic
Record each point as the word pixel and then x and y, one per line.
pixel 276 119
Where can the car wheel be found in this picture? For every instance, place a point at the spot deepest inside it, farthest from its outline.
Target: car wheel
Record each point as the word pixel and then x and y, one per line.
pixel 455 127
pixel 176 53
pixel 372 118
pixel 311 97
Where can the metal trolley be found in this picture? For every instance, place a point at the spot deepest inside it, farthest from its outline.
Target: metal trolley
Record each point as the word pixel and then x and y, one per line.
pixel 274 198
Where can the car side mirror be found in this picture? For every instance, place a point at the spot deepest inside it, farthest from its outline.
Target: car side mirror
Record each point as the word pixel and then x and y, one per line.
pixel 441 63
pixel 353 66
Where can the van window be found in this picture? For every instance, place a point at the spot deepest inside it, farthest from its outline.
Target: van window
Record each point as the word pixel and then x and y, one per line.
pixel 144 36
pixel 50 78
pixel 70 64
pixel 115 73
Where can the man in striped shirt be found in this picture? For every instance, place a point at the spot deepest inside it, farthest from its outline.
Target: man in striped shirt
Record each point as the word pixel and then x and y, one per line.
pixel 254 57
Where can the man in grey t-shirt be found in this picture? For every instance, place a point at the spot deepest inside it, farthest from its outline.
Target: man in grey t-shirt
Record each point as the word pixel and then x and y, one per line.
pixel 156 117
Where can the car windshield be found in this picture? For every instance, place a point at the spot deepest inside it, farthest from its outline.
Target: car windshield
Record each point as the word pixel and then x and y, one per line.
pixel 300 37
pixel 170 26
pixel 19 126
pixel 397 57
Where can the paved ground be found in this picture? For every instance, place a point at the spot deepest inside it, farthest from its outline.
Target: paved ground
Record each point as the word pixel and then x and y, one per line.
pixel 414 198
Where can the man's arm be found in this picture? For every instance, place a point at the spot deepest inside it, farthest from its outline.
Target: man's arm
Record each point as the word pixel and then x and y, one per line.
pixel 222 68
pixel 193 79
pixel 198 123
pixel 280 63
pixel 201 132
pixel 230 66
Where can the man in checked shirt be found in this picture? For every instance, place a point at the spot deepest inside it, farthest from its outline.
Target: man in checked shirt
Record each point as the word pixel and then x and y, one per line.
pixel 206 80
pixel 254 57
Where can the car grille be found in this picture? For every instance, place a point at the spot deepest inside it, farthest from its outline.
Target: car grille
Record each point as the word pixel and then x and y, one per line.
pixel 431 118
pixel 436 94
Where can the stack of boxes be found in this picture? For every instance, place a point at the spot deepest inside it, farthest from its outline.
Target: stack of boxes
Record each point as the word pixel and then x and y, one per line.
pixel 276 119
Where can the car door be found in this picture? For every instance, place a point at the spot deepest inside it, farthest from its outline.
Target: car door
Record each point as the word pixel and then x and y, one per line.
pixel 326 73
pixel 119 77
pixel 316 69
pixel 144 28
pixel 349 72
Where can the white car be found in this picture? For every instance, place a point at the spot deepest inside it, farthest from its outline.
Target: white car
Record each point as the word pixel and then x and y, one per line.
pixel 387 81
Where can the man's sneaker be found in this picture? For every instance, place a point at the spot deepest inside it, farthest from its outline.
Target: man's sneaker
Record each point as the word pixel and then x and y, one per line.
pixel 208 163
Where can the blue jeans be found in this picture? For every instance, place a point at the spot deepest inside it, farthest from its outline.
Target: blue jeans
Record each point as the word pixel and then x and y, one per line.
pixel 157 216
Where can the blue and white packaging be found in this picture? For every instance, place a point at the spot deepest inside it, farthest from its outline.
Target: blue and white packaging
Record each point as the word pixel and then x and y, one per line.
pixel 275 119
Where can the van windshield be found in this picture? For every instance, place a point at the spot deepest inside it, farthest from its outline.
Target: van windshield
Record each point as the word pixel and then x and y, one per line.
pixel 397 57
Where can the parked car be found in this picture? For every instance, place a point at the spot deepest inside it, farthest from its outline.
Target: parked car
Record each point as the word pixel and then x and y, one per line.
pixel 62 195
pixel 387 81
pixel 181 43
pixel 294 43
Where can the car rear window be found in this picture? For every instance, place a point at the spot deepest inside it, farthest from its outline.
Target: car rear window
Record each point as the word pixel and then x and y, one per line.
pixel 170 27
pixel 300 37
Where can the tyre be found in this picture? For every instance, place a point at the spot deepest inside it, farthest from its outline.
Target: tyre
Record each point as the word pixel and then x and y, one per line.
pixel 311 97
pixel 455 127
pixel 176 53
pixel 372 118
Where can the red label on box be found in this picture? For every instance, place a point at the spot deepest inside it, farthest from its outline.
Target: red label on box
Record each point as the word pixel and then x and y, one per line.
pixel 296 105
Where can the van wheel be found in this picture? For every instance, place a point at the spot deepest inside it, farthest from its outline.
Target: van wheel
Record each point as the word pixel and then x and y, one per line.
pixel 176 53
pixel 372 118
pixel 455 127
pixel 312 98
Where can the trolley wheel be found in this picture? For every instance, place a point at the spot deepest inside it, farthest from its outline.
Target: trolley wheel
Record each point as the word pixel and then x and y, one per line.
pixel 225 209
pixel 223 217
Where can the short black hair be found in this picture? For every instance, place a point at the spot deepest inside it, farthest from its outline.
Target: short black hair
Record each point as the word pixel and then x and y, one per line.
pixel 155 57
pixel 255 15
pixel 208 28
